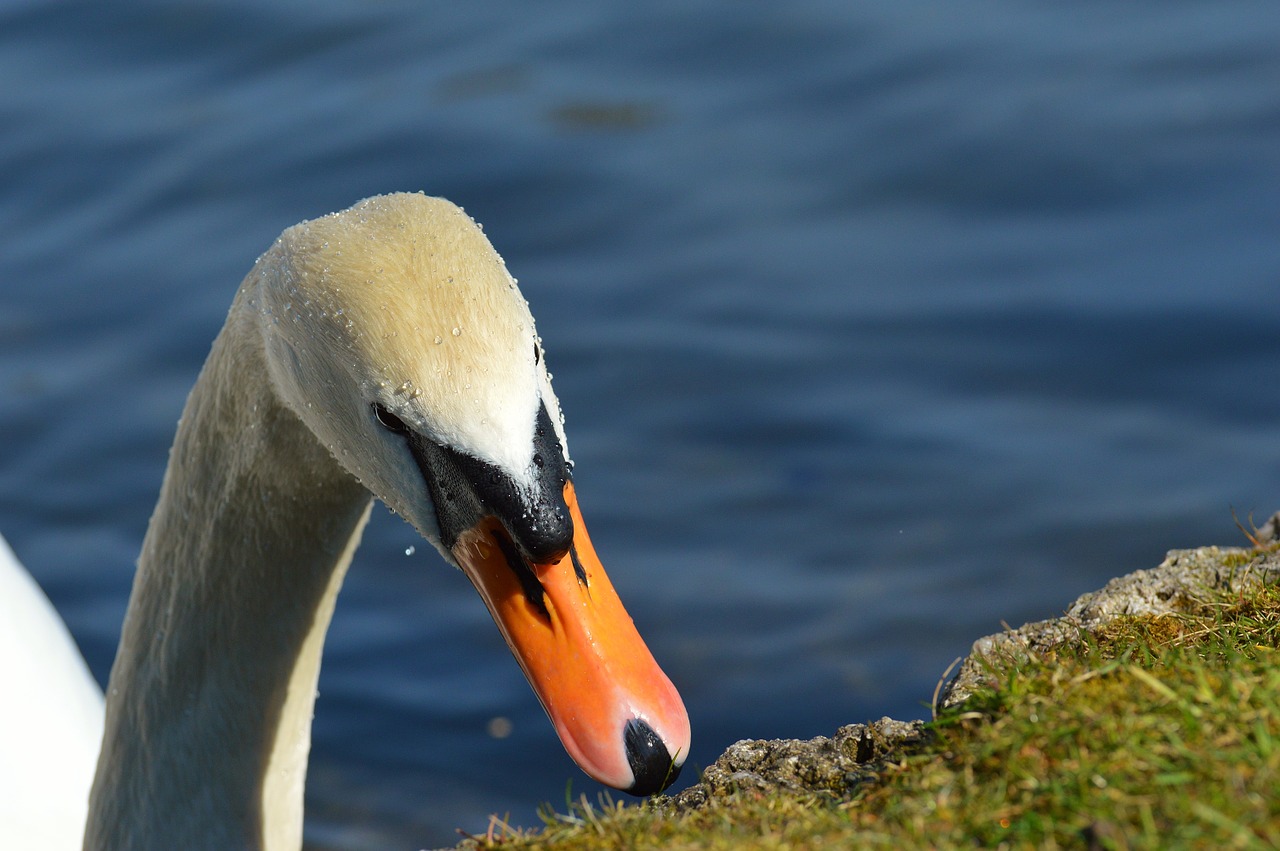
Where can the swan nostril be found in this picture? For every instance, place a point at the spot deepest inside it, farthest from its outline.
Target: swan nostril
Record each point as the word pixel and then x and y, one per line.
pixel 651 763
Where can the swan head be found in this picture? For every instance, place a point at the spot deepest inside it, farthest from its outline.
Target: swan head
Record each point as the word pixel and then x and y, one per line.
pixel 398 314
pixel 395 332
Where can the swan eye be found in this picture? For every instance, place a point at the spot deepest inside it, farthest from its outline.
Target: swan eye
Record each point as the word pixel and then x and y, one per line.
pixel 388 420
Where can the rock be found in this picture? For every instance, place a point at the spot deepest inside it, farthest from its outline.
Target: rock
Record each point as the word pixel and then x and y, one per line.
pixel 1183 577
pixel 821 765
pixel 835 765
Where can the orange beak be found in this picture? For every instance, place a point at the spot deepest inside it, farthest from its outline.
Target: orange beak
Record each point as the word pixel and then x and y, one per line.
pixel 614 709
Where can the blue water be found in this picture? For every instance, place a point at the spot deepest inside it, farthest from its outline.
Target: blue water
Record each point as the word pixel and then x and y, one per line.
pixel 876 325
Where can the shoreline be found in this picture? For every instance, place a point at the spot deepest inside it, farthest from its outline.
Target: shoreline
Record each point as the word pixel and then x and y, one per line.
pixel 832 774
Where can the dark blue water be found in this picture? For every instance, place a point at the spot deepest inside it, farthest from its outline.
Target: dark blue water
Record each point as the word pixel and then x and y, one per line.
pixel 876 325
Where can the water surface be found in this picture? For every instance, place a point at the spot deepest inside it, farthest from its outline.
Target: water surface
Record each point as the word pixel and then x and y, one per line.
pixel 876 325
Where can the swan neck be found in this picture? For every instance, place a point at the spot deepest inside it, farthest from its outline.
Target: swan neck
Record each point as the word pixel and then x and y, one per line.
pixel 209 705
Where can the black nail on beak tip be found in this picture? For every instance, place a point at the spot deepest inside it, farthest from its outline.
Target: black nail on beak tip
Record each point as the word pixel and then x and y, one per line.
pixel 651 764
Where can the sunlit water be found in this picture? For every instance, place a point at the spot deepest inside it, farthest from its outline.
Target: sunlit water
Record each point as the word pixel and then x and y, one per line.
pixel 876 326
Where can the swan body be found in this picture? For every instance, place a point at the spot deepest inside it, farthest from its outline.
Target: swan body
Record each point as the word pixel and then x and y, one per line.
pixel 50 737
pixel 379 352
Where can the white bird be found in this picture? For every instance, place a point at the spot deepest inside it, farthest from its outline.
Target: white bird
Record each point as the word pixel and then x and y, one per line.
pixel 50 719
pixel 381 351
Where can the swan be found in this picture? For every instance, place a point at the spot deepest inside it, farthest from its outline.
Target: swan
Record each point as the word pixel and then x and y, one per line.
pixel 50 719
pixel 383 351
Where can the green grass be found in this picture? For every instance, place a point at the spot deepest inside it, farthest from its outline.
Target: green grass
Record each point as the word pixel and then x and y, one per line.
pixel 1153 733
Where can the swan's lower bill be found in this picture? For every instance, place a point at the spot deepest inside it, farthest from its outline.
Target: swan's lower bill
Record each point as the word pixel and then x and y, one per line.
pixel 616 712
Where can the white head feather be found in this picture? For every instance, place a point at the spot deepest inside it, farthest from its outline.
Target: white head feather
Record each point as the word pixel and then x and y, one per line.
pixel 402 301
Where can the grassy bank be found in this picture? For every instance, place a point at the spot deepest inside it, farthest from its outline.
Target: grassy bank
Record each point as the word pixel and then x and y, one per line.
pixel 1147 731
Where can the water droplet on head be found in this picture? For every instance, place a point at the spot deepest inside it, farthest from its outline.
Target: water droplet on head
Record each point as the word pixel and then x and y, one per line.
pixel 457 331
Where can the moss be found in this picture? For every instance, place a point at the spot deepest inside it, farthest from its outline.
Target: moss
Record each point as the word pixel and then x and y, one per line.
pixel 1237 558
pixel 1161 734
pixel 1153 731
